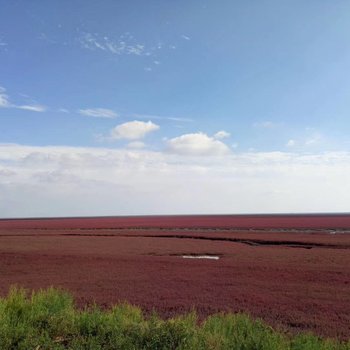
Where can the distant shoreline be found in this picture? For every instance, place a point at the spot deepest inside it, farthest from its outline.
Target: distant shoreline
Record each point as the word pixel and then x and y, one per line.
pixel 331 214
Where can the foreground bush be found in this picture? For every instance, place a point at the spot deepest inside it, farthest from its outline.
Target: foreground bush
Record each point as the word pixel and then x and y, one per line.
pixel 48 320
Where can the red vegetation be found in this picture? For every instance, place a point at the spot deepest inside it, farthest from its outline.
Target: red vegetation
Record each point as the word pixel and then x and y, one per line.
pixel 313 221
pixel 297 279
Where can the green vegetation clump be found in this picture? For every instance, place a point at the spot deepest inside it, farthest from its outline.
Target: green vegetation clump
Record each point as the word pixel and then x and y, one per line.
pixel 47 319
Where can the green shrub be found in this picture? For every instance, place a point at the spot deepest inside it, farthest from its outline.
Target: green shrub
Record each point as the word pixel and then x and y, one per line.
pixel 47 319
pixel 239 332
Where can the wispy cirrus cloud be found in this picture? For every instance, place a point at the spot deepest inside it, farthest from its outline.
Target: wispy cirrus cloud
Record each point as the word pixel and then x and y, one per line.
pixel 3 44
pixel 159 117
pixel 6 103
pixel 98 112
pixel 33 108
pixel 312 140
pixel 4 98
pixel 266 124
pixel 124 45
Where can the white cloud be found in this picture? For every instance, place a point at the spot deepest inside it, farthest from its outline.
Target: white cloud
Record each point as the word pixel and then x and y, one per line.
pixel 176 119
pixel 124 45
pixel 4 99
pixel 185 37
pixel 133 130
pixel 311 141
pixel 3 44
pixel 137 49
pixel 98 112
pixel 5 103
pixel 33 108
pixel 197 144
pixel 72 181
pixel 136 145
pixel 222 135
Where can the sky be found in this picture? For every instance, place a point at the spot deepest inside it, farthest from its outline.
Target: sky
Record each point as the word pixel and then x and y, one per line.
pixel 174 107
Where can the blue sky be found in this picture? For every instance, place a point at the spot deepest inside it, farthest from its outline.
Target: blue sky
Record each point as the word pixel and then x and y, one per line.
pixel 202 80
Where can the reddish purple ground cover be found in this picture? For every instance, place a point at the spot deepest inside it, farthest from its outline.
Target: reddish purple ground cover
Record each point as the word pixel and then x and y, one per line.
pixel 297 278
pixel 239 221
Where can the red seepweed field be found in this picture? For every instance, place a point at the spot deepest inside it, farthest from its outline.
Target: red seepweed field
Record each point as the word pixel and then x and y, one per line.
pixel 293 271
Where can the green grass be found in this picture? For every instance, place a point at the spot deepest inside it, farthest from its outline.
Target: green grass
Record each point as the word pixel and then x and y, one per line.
pixel 47 319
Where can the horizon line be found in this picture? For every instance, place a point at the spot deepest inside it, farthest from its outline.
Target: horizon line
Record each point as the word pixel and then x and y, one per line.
pixel 175 215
